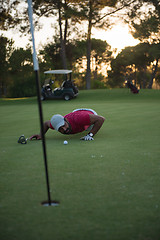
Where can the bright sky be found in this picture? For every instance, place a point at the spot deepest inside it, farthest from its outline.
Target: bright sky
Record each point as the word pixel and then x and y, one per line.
pixel 118 37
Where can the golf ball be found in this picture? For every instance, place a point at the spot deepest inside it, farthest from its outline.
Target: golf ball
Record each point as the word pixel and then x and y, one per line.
pixel 65 142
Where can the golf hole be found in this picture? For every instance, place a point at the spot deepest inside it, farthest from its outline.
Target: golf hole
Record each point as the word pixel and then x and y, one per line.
pixel 52 203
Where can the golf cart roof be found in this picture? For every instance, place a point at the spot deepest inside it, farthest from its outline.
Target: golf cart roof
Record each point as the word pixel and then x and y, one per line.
pixel 60 71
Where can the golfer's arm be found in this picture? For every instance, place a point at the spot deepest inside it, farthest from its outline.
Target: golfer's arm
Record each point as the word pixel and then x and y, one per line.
pixel 97 122
pixel 46 126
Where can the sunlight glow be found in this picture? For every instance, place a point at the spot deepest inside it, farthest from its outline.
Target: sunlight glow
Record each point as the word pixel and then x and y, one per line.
pixel 118 37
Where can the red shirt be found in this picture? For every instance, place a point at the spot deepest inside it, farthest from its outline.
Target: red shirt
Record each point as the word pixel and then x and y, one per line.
pixel 79 120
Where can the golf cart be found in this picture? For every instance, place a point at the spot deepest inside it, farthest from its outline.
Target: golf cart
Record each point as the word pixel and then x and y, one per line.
pixel 66 91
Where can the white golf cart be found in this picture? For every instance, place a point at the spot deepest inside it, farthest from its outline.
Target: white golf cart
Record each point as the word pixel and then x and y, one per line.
pixel 66 91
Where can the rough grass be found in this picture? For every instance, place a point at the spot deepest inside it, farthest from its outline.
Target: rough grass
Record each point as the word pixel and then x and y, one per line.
pixel 107 188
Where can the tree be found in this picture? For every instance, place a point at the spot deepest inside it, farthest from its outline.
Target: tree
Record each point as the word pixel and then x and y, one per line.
pixel 14 12
pixel 145 24
pixel 77 11
pixel 21 73
pixel 8 13
pixel 20 62
pixel 155 53
pixel 76 51
pixel 134 63
pixel 144 21
pixel 101 52
pixel 5 52
pixel 91 12
pixel 71 11
pixel 50 55
pixel 64 10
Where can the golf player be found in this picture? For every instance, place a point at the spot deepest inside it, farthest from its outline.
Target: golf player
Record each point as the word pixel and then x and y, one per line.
pixel 75 122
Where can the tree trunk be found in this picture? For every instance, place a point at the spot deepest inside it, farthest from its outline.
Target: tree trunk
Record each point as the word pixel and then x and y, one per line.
pixel 63 50
pixel 154 71
pixel 88 72
pixel 95 73
pixel 144 77
pixel 66 24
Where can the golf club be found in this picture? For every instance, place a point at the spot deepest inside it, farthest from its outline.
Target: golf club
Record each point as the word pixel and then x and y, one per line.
pixel 22 139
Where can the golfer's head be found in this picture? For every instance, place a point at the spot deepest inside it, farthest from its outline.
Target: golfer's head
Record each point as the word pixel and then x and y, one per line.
pixel 60 124
pixel 57 121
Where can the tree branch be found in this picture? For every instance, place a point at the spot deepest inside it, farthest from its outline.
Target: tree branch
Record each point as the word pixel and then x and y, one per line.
pixel 116 10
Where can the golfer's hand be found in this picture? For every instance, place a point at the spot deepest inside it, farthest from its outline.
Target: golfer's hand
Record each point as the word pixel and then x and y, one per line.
pixel 87 138
pixel 35 136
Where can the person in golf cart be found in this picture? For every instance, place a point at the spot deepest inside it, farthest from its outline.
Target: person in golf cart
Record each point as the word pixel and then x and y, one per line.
pixel 75 122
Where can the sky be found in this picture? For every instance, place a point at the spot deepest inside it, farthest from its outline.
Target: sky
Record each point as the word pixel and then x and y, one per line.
pixel 118 37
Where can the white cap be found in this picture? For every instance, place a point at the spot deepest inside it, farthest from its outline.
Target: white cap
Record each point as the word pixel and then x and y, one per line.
pixel 57 121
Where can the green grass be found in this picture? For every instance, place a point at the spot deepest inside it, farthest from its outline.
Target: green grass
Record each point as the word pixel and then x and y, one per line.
pixel 108 188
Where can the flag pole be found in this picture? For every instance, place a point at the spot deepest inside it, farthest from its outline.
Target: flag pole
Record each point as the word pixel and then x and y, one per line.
pixel 36 69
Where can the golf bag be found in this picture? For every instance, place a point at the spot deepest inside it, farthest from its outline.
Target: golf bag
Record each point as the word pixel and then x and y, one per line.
pixel 70 84
pixel 132 87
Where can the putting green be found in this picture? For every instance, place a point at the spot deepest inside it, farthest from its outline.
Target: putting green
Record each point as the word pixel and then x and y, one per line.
pixel 108 188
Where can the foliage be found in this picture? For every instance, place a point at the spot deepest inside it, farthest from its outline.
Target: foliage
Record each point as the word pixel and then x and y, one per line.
pixel 22 87
pixel 16 68
pixel 83 54
pixel 145 21
pixel 20 70
pixel 69 12
pixel 20 61
pixel 8 14
pixel 6 50
pixel 76 51
pixel 135 63
pixel 98 82
pixel 90 11
pixel 3 52
pixel 64 12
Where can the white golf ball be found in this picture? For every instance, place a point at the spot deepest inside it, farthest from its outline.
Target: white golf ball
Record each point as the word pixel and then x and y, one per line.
pixel 65 142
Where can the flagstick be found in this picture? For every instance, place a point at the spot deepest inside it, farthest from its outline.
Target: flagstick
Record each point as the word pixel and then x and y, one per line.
pixel 36 69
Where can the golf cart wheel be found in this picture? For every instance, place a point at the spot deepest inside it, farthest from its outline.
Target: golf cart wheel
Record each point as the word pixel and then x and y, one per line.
pixel 67 97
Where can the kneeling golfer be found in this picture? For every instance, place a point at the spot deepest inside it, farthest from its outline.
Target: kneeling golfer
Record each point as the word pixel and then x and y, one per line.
pixel 75 122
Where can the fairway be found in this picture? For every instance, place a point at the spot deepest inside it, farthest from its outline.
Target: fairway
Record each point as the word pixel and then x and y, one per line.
pixel 108 188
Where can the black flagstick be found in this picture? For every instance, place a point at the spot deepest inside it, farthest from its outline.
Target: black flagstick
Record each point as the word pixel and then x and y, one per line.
pixel 36 69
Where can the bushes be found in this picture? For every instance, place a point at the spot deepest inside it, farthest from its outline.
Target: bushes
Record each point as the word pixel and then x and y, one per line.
pixel 22 87
pixel 98 81
pixel 25 86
